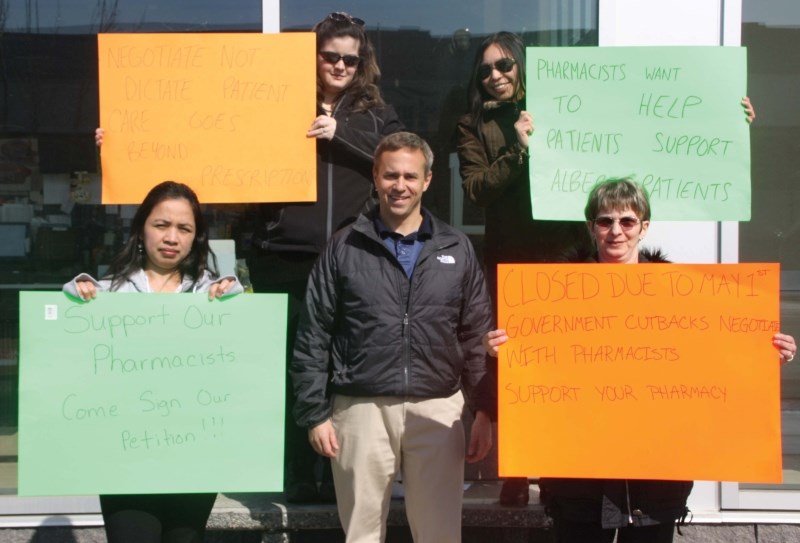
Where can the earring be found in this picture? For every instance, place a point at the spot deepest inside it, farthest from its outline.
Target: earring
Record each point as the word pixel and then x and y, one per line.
pixel 140 247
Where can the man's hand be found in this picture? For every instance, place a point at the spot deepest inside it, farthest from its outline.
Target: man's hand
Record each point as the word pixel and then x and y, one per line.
pixel 480 438
pixel 323 439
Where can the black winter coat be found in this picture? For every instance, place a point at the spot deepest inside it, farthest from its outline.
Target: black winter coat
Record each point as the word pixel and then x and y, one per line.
pixel 368 330
pixel 344 183
pixel 616 502
pixel 494 173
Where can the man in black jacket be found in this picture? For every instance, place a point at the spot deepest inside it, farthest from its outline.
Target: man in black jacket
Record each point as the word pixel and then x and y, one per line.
pixel 391 328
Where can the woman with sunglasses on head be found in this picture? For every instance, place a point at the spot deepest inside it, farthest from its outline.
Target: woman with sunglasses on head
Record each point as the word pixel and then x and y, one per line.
pixel 351 119
pixel 167 251
pixel 598 510
pixel 493 156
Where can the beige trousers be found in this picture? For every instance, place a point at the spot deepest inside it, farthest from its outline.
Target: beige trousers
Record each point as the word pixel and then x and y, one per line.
pixel 423 439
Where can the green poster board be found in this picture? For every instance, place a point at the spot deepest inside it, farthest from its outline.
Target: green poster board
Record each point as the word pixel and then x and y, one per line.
pixel 669 117
pixel 155 393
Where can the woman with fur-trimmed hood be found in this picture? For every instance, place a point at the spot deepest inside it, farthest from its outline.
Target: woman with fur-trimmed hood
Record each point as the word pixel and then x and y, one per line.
pixel 597 510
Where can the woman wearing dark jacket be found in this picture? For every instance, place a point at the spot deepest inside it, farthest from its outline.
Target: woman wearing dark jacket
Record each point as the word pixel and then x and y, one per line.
pixel 494 162
pixel 351 119
pixel 597 510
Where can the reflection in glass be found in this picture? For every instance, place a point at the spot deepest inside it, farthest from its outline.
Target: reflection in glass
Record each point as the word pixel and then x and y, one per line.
pixel 769 31
pixel 50 224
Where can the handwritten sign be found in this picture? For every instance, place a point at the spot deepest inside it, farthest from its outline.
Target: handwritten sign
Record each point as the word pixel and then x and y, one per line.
pixel 654 371
pixel 135 393
pixel 669 117
pixel 227 114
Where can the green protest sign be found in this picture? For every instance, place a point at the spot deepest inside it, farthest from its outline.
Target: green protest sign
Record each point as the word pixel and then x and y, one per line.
pixel 669 117
pixel 155 393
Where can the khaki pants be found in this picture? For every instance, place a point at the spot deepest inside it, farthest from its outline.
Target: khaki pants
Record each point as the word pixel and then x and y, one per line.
pixel 421 438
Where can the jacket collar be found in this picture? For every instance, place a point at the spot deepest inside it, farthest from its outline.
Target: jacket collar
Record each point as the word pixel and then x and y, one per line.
pixel 440 233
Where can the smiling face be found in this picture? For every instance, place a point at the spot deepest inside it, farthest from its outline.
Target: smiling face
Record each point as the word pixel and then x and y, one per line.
pixel 168 235
pixel 400 180
pixel 336 77
pixel 617 234
pixel 499 85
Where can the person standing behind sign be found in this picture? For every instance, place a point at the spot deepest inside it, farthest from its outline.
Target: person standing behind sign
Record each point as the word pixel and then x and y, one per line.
pixel 494 163
pixel 167 251
pixel 597 510
pixel 351 119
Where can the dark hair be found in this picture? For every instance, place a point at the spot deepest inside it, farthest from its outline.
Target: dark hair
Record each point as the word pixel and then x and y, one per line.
pixel 364 86
pixel 510 44
pixel 130 260
pixel 404 140
pixel 617 194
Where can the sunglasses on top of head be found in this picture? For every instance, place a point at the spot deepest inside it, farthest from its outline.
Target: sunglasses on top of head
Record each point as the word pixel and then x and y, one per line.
pixel 332 58
pixel 342 17
pixel 605 223
pixel 504 65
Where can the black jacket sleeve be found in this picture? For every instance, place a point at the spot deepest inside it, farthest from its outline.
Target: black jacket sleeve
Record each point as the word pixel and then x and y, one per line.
pixel 310 367
pixel 360 142
pixel 477 319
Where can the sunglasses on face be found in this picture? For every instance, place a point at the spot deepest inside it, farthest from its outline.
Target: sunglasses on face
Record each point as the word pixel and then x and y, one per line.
pixel 342 17
pixel 332 58
pixel 504 65
pixel 605 223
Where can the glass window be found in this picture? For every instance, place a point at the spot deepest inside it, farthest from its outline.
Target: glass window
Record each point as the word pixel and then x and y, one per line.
pixel 769 31
pixel 51 223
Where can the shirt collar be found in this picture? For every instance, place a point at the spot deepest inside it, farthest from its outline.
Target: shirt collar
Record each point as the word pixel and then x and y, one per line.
pixel 425 229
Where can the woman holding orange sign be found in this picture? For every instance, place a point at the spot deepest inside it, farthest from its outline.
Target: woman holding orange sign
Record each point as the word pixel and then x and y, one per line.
pixel 597 510
pixel 351 119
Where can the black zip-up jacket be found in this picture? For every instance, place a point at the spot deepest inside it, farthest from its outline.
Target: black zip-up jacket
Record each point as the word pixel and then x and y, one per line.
pixel 367 330
pixel 344 183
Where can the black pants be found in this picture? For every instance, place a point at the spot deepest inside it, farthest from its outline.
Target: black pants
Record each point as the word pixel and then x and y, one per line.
pixel 593 532
pixel 156 518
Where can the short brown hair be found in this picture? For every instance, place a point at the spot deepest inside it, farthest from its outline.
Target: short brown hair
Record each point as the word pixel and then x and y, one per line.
pixel 405 140
pixel 618 193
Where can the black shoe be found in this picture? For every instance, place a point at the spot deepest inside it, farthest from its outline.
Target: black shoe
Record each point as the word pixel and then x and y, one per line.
pixel 515 492
pixel 327 492
pixel 301 492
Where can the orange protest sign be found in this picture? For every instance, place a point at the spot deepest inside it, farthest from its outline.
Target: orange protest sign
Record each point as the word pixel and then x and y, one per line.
pixel 653 371
pixel 227 114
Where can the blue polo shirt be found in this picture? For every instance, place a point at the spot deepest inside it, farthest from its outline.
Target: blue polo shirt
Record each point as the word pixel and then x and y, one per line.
pixel 405 248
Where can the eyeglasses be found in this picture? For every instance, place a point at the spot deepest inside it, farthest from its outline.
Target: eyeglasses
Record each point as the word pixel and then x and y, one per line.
pixel 342 17
pixel 605 223
pixel 504 65
pixel 332 58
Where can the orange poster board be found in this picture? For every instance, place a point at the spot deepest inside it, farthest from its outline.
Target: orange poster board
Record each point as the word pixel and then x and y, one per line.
pixel 227 114
pixel 654 371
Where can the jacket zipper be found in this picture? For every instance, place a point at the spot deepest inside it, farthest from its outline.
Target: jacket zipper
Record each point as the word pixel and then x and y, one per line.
pixel 329 210
pixel 628 499
pixel 406 329
pixel 406 351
